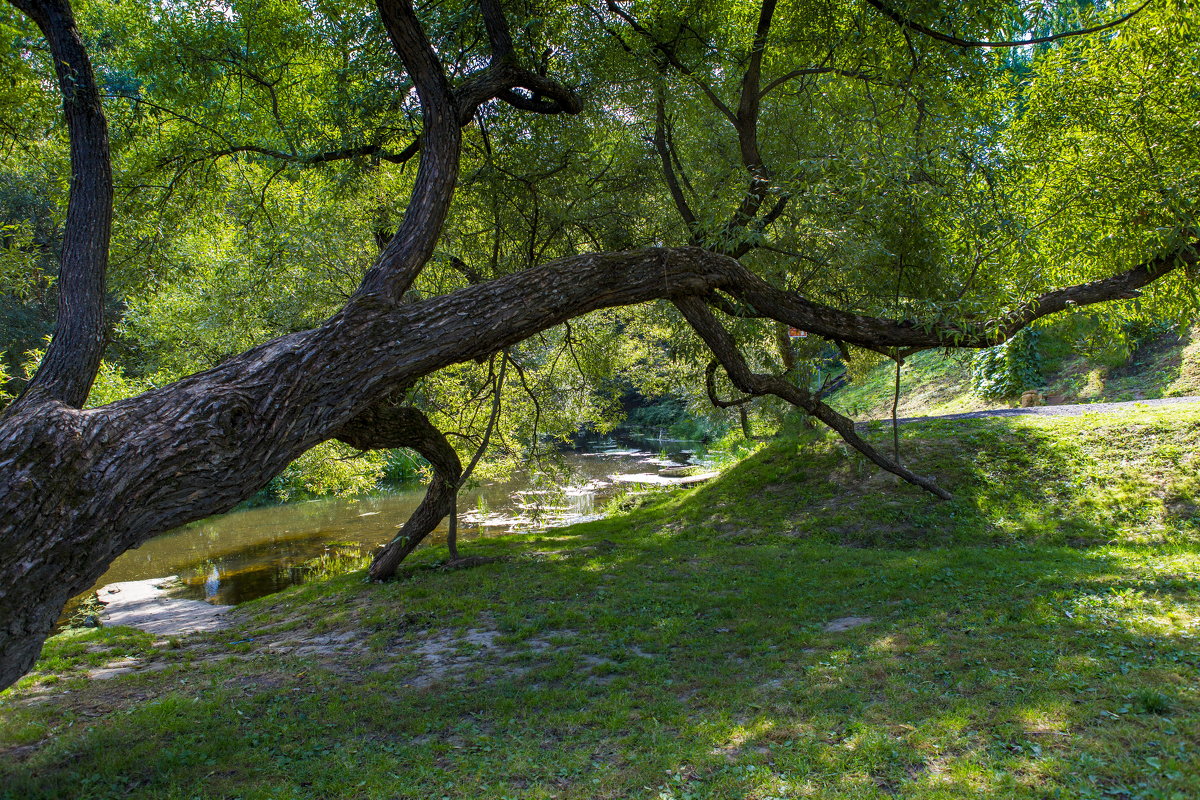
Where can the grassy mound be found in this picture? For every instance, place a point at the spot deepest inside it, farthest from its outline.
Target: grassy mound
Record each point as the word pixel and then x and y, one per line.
pixel 802 627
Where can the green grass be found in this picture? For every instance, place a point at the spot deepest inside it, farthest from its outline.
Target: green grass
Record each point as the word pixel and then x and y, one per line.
pixel 1036 637
pixel 930 383
pixel 934 383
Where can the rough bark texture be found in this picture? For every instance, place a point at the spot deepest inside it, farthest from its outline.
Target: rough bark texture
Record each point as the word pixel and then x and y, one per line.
pixel 388 426
pixel 79 487
pixel 71 361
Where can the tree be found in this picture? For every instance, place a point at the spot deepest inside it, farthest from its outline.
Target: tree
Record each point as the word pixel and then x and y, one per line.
pixel 82 486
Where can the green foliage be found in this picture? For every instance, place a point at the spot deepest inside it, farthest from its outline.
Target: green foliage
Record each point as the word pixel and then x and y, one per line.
pixel 1147 363
pixel 1008 369
pixel 913 179
pixel 5 378
pixel 337 559
pixel 330 468
pixel 699 427
pixel 402 467
pixel 659 415
pixel 113 384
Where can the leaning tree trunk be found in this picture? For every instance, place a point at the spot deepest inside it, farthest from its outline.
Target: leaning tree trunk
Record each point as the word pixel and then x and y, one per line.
pixel 80 487
pixel 83 486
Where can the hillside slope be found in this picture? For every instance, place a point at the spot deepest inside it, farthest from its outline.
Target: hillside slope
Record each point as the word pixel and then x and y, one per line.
pixel 934 383
pixel 801 627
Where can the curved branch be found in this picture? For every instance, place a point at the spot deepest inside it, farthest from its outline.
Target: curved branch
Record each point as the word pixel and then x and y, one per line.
pixel 387 426
pixel 905 22
pixel 725 349
pixel 710 386
pixel 313 159
pixel 73 357
pixel 413 243
pixel 444 112
pixel 877 332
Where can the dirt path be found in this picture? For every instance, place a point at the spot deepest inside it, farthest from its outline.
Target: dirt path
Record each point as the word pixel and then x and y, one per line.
pixel 1065 410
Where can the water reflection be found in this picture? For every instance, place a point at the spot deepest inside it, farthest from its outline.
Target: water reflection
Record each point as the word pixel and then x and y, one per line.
pixel 247 554
pixel 212 585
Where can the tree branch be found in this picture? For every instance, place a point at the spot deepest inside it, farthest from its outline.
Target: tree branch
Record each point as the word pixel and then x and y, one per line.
pixel 386 426
pixel 798 73
pixel 73 357
pixel 312 159
pixel 663 147
pixel 710 387
pixel 880 332
pixel 669 57
pixel 410 248
pixel 725 349
pixel 908 23
pixel 444 113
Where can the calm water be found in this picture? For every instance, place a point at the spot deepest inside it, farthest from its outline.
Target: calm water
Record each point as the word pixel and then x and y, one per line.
pixel 247 554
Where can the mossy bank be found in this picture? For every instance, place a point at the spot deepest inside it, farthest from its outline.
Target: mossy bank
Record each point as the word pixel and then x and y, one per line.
pixel 802 627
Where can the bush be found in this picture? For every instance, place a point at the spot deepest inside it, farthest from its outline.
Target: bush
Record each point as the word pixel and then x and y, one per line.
pixel 403 466
pixel 1010 368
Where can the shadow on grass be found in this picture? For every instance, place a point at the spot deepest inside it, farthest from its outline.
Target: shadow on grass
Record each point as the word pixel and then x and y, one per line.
pixel 663 655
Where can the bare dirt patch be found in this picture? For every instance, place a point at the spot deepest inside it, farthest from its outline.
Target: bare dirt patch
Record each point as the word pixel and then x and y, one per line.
pixel 846 623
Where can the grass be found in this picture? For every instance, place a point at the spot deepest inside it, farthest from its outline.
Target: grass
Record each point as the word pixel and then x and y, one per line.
pixel 930 383
pixel 934 383
pixel 1036 637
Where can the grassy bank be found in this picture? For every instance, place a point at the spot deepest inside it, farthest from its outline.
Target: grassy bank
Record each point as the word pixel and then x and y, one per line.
pixel 803 627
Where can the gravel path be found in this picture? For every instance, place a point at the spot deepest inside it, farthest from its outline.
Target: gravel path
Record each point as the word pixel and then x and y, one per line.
pixel 1065 410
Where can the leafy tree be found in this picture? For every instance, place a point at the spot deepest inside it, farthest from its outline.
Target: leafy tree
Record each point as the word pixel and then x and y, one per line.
pixel 887 177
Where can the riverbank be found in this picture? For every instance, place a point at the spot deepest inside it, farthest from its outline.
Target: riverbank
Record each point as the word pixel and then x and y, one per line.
pixel 246 554
pixel 803 626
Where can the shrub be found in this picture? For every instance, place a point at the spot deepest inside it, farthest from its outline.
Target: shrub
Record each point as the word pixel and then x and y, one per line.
pixel 1010 368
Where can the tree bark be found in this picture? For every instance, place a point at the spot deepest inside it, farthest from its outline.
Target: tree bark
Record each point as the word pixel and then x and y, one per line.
pixel 80 487
pixel 385 427
pixel 73 357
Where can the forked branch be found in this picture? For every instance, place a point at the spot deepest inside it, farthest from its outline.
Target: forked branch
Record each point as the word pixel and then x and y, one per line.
pixel 719 340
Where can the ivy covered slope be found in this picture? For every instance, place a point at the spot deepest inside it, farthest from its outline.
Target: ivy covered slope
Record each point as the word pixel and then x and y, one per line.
pixel 699 646
pixel 1125 363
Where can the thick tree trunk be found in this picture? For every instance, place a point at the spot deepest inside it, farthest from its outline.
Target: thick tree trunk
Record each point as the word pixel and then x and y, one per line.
pixel 79 487
pixel 94 483
pixel 73 357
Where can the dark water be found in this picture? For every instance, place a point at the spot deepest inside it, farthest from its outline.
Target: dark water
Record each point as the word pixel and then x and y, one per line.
pixel 247 554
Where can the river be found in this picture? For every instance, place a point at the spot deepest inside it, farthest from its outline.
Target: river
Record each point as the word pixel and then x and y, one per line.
pixel 243 555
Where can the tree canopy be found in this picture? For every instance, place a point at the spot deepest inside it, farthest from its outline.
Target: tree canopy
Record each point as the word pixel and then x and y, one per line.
pixel 289 225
